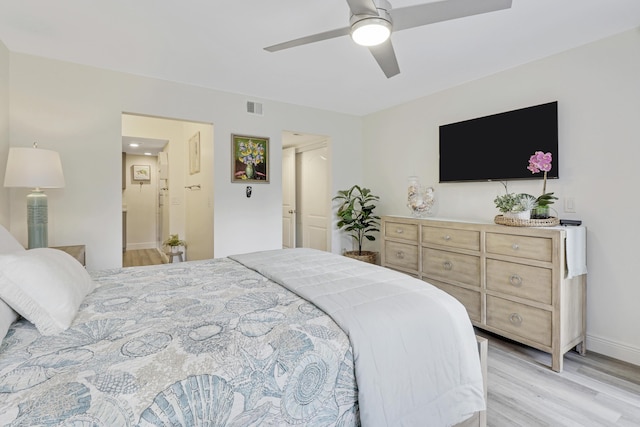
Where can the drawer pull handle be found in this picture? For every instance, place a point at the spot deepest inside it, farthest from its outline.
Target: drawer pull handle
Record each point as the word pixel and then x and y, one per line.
pixel 447 265
pixel 515 247
pixel 447 237
pixel 515 280
pixel 399 231
pixel 400 255
pixel 516 319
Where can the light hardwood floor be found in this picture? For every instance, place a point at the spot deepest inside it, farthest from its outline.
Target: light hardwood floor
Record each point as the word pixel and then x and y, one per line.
pixel 593 390
pixel 140 257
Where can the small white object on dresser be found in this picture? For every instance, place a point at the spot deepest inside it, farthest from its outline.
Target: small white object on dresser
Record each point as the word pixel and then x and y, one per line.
pixel 527 284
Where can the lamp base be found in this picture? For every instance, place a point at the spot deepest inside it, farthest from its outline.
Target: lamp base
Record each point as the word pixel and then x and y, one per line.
pixel 37 219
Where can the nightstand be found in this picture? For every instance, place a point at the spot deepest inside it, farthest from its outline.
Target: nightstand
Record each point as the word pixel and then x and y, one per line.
pixel 76 251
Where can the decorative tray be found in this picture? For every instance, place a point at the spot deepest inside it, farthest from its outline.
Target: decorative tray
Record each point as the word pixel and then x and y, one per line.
pixel 516 222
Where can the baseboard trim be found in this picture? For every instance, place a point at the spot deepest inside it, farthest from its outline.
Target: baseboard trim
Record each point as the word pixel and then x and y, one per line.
pixel 614 349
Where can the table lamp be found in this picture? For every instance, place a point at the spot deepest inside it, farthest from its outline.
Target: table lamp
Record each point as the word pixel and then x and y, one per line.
pixel 35 168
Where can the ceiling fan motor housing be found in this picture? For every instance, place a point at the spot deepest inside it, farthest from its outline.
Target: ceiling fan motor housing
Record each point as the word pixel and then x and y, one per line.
pixel 383 7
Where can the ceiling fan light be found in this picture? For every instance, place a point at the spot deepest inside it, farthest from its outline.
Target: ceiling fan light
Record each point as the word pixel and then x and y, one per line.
pixel 371 31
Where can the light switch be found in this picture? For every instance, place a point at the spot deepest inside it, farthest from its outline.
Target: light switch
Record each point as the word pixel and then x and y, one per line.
pixel 569 205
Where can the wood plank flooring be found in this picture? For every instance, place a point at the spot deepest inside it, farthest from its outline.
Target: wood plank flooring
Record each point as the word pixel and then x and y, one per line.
pixel 593 390
pixel 139 257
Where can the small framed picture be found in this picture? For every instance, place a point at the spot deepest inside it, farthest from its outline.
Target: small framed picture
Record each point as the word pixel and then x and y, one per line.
pixel 249 159
pixel 141 172
pixel 194 153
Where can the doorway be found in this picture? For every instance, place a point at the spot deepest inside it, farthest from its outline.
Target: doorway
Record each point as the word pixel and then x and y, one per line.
pixel 178 194
pixel 306 207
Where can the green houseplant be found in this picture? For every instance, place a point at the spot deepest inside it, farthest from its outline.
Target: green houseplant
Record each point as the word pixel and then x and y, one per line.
pixel 519 205
pixel 356 217
pixel 173 242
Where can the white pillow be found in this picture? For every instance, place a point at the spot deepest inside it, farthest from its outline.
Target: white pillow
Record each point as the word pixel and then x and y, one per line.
pixel 45 286
pixel 8 243
pixel 7 317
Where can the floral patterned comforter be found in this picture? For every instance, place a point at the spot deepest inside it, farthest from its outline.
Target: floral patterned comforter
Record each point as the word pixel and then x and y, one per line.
pixel 195 343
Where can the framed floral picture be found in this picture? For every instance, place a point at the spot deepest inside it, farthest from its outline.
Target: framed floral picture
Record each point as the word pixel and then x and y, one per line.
pixel 249 159
pixel 141 172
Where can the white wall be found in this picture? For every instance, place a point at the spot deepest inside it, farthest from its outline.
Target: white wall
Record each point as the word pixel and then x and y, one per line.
pixel 4 132
pixel 597 87
pixel 76 110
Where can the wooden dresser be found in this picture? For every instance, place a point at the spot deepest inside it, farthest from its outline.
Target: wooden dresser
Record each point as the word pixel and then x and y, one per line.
pixel 512 280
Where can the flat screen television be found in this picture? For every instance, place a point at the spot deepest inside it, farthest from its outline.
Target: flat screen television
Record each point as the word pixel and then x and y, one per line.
pixel 498 147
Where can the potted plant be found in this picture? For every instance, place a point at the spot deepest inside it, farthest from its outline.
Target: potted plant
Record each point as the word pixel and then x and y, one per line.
pixel 173 242
pixel 516 205
pixel 355 216
pixel 541 162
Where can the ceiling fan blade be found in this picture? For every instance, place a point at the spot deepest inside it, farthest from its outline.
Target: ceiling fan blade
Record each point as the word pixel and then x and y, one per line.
pixel 363 7
pixel 310 39
pixel 429 13
pixel 386 58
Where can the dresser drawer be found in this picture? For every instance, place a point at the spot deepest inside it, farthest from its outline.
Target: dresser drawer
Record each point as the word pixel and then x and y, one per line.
pixel 519 319
pixel 398 230
pixel 525 281
pixel 401 255
pixel 538 248
pixel 451 266
pixel 470 299
pixel 460 239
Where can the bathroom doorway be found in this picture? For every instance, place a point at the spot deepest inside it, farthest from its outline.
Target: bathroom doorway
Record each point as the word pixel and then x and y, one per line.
pixel 176 197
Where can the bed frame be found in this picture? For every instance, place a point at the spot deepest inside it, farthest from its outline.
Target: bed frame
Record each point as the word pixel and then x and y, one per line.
pixel 479 419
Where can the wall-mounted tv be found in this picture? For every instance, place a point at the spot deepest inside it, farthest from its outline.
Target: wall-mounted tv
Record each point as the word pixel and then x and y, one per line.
pixel 498 147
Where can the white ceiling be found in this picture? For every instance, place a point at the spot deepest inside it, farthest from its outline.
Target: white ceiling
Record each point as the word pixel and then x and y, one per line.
pixel 142 146
pixel 219 44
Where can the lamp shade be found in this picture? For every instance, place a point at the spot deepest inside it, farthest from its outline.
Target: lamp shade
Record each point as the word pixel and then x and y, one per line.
pixel 33 168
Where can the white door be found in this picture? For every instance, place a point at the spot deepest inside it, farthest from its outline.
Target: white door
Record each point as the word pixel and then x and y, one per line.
pixel 313 198
pixel 198 191
pixel 289 198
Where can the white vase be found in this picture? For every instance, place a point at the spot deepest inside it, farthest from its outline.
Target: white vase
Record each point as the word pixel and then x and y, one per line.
pixel 420 199
pixel 518 215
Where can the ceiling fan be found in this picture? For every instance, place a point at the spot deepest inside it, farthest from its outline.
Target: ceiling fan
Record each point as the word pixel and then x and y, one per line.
pixel 372 22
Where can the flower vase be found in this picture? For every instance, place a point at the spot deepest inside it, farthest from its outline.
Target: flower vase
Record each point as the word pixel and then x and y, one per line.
pixel 518 215
pixel 250 171
pixel 420 199
pixel 541 212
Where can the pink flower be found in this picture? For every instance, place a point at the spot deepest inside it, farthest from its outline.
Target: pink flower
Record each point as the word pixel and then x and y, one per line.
pixel 540 162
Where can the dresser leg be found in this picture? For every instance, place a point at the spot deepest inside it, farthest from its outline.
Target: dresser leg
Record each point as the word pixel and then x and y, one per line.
pixel 557 361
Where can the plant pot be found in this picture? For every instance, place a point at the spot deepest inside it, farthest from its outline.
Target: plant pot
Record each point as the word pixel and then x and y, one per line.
pixel 518 215
pixel 541 212
pixel 366 256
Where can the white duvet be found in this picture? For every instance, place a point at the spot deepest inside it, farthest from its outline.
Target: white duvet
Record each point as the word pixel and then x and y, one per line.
pixel 415 353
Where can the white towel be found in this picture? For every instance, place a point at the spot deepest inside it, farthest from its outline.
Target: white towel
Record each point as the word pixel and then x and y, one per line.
pixel 576 251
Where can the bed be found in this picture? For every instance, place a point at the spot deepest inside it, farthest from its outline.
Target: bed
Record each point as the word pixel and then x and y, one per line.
pixel 284 337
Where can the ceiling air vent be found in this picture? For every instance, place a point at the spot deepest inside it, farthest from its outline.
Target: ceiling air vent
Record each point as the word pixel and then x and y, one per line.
pixel 254 108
